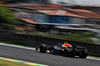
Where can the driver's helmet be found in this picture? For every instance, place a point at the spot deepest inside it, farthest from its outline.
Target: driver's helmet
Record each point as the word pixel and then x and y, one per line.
pixel 67 45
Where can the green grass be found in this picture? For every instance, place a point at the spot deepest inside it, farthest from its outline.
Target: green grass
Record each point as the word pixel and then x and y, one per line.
pixel 9 63
pixel 48 35
pixel 81 37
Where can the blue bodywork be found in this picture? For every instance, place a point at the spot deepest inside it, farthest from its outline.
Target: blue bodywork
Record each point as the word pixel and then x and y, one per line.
pixel 59 19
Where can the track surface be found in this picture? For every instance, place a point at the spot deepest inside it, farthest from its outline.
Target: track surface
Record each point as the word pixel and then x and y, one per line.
pixel 44 58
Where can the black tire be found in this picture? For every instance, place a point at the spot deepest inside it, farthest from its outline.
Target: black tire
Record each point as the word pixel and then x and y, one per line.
pixel 83 55
pixel 43 48
pixel 68 53
pixel 65 53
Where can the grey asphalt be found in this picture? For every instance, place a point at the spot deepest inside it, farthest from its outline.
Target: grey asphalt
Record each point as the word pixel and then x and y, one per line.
pixel 44 58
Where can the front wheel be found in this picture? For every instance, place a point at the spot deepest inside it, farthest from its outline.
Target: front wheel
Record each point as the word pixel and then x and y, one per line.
pixel 43 48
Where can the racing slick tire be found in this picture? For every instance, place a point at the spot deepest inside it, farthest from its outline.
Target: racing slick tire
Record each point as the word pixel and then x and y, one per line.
pixel 43 48
pixel 83 55
pixel 68 53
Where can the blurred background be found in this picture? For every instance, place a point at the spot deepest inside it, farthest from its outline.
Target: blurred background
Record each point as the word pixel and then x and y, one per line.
pixel 63 19
pixel 33 22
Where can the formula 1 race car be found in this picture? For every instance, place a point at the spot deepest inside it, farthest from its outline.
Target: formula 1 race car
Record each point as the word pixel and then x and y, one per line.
pixel 71 51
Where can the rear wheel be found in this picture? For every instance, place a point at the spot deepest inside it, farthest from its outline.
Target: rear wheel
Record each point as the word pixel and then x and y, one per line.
pixel 65 52
pixel 43 48
pixel 83 55
pixel 68 53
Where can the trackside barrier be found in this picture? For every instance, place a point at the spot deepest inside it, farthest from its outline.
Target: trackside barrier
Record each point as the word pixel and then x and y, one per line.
pixel 29 40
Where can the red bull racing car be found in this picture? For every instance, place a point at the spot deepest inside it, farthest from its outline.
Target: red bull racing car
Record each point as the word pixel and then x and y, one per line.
pixel 65 50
